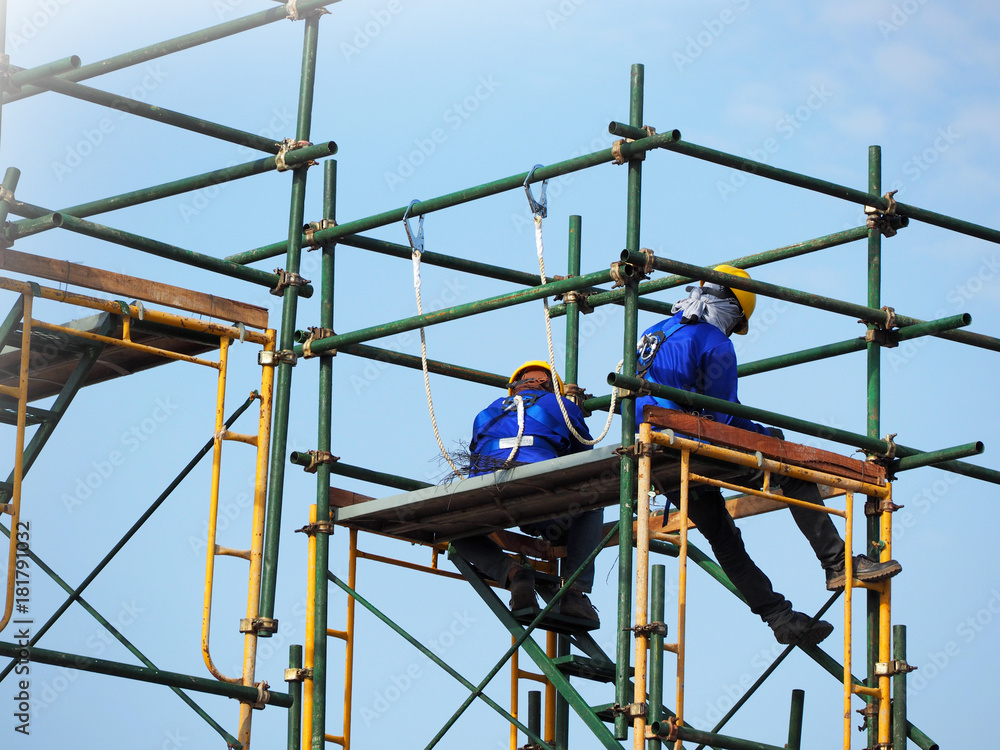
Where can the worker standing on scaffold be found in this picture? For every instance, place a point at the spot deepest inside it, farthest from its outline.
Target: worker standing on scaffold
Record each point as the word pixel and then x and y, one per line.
pixel 692 351
pixel 544 435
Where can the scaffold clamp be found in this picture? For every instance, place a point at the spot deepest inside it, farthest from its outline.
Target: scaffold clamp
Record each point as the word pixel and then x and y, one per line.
pixel 287 279
pixel 316 333
pixel 263 695
pixel 284 147
pixel 539 207
pixel 7 196
pixel 887 221
pixel 631 710
pixel 319 527
pixel 312 227
pixel 651 628
pixel 298 675
pixel 317 459
pixel 890 668
pixel 258 624
pixel 267 358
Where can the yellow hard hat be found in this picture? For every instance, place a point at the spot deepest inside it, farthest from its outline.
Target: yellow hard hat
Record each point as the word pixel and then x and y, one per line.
pixel 747 300
pixel 531 365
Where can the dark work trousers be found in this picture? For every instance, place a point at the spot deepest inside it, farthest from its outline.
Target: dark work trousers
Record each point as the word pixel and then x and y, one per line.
pixel 580 534
pixel 707 509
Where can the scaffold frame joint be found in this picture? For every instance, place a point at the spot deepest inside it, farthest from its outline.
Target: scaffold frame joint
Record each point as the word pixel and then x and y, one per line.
pixel 317 459
pixel 651 628
pixel 890 668
pixel 267 358
pixel 310 229
pixel 316 333
pixel 288 279
pixel 318 527
pixel 298 675
pixel 285 146
pixel 258 624
pixel 631 710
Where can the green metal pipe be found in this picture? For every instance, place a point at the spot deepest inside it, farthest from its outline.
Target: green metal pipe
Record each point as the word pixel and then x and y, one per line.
pixel 522 639
pixel 870 445
pixel 795 720
pixel 514 182
pixel 25 76
pixel 10 178
pixel 413 362
pixel 832 189
pixel 747 261
pixel 920 739
pixel 658 594
pixel 850 345
pixel 241 693
pixel 572 371
pixel 867 314
pixel 171 252
pixel 19 229
pixel 873 530
pixel 286 333
pixel 187 41
pixel 160 114
pixel 562 705
pixel 295 158
pixel 365 475
pixel 324 419
pixel 716 740
pixel 324 345
pixel 535 712
pixel 935 457
pixel 899 689
pixel 627 481
pixel 433 657
pixel 295 692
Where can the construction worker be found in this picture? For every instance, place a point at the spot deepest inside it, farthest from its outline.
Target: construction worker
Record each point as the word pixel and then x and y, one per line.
pixel 691 350
pixel 544 435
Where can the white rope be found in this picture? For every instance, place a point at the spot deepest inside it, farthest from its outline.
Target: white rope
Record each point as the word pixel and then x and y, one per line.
pixel 423 366
pixel 520 430
pixel 552 355
pixel 292 10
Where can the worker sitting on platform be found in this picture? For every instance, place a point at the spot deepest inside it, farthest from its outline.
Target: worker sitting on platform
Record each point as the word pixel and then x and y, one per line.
pixel 543 435
pixel 692 351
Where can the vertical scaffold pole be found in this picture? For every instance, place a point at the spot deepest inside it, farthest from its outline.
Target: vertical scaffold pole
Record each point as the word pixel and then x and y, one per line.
pixel 286 340
pixel 626 495
pixel 295 690
pixel 899 689
pixel 874 373
pixel 325 419
pixel 658 613
pixel 642 586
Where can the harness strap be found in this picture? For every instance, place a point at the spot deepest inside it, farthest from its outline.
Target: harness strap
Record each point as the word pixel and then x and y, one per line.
pixel 649 345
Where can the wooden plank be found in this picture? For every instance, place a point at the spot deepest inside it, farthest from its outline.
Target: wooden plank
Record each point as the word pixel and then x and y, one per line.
pixel 343 498
pixel 774 448
pixel 156 292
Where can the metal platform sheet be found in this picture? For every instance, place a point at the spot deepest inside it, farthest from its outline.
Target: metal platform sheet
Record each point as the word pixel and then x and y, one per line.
pixel 504 499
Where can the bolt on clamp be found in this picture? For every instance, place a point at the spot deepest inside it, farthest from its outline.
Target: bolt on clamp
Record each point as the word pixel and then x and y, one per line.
pixel 267 358
pixel 287 279
pixel 312 227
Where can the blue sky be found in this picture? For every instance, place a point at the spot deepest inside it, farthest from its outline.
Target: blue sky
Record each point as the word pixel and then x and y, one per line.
pixel 425 99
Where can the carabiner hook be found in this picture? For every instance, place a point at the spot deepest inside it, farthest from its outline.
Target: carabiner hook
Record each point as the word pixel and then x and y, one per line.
pixel 416 245
pixel 538 208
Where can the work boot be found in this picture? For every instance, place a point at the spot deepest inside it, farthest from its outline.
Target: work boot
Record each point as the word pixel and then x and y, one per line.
pixel 576 604
pixel 795 629
pixel 865 569
pixel 522 589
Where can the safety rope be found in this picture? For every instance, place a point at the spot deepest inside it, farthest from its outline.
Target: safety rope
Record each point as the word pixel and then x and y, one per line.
pixel 540 245
pixel 416 253
pixel 520 430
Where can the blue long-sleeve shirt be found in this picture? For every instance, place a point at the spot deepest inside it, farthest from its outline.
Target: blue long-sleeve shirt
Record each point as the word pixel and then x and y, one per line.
pixel 697 357
pixel 545 432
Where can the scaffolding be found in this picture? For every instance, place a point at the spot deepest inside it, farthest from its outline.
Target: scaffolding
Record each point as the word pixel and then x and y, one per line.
pixel 432 516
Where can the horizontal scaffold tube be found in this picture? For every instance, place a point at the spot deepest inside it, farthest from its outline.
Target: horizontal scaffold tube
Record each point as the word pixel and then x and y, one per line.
pixel 867 314
pixel 25 76
pixel 747 261
pixel 832 189
pixel 460 311
pixel 163 250
pixel 293 158
pixel 715 740
pixel 514 182
pixel 153 51
pixel 871 445
pixel 365 475
pixel 241 693
pixel 851 345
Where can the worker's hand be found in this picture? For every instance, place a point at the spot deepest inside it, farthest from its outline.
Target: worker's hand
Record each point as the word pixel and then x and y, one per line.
pixel 775 432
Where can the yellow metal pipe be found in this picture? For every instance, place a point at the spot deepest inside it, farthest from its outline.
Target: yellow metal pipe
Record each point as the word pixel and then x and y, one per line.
pixel 239 437
pixel 309 648
pixel 550 693
pixel 228 552
pixel 885 635
pixel 699 479
pixel 262 442
pixel 682 585
pixel 342 741
pixel 641 586
pixel 664 537
pixel 532 676
pixel 671 647
pixel 848 618
pixel 865 690
pixel 22 420
pixel 128 344
pixel 754 461
pixel 341 634
pixel 154 316
pixel 408 565
pixel 352 575
pixel 10 391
